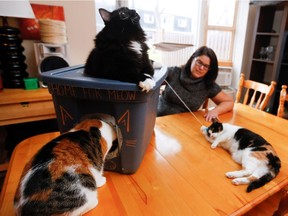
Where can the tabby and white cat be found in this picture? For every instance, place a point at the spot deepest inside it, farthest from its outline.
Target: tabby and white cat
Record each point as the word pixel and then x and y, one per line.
pixel 120 51
pixel 260 163
pixel 62 178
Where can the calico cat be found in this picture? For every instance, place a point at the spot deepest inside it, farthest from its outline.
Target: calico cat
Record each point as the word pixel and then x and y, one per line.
pixel 62 178
pixel 259 161
pixel 120 51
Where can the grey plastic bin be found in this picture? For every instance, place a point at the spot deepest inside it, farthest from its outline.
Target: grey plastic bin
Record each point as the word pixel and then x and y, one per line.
pixel 76 96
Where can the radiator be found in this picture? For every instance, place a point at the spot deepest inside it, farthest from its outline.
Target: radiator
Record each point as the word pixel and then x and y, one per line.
pixel 224 78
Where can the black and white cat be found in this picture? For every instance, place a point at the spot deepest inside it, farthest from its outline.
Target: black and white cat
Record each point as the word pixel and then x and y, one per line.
pixel 63 177
pixel 120 51
pixel 260 163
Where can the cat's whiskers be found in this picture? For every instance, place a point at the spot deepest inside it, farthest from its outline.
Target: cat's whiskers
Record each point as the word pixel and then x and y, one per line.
pixel 183 102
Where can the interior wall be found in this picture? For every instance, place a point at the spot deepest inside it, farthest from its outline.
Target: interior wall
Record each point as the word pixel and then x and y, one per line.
pixel 247 55
pixel 239 56
pixel 80 19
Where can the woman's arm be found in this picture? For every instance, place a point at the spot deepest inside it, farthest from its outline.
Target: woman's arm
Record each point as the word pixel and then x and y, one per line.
pixel 224 102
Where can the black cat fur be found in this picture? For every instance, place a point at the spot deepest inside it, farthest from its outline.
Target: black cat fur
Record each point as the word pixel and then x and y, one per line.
pixel 120 51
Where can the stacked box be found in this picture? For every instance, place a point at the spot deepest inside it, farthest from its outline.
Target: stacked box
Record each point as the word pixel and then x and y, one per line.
pixel 77 96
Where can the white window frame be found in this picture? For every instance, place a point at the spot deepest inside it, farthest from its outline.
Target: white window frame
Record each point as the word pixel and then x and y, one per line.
pixel 231 29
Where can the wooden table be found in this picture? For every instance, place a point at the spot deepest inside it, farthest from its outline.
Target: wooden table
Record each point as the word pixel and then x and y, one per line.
pixel 180 173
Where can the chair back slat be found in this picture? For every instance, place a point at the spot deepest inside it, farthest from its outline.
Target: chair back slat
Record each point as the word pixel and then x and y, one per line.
pixel 259 100
pixel 257 94
pixel 252 100
pixel 245 101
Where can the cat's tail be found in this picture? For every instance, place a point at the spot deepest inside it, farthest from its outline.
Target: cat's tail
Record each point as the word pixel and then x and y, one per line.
pixel 275 165
pixel 259 182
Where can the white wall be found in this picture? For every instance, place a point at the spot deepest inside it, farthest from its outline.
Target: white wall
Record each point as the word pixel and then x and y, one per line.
pixel 80 19
pixel 239 43
pixel 247 55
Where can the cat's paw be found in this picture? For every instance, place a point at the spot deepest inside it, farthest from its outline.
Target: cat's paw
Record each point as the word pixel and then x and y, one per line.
pixel 214 145
pixel 240 181
pixel 147 84
pixel 203 129
pixel 230 175
pixel 236 182
pixel 101 181
pixel 156 65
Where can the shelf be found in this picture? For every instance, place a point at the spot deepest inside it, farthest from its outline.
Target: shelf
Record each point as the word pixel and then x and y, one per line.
pixel 263 60
pixel 167 46
pixel 268 34
pixel 270 29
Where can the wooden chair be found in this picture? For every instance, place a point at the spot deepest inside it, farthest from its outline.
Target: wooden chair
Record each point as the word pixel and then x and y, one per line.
pixel 282 99
pixel 284 201
pixel 260 92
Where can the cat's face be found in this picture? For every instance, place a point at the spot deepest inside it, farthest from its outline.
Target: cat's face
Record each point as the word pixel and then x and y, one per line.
pixel 122 16
pixel 212 131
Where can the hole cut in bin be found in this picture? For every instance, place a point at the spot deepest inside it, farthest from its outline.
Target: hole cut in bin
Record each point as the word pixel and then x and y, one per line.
pixel 117 144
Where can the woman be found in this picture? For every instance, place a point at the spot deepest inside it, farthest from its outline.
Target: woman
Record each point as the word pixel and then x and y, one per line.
pixel 194 83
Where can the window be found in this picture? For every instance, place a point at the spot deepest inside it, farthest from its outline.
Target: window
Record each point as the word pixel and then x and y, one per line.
pixel 220 28
pixel 180 22
pixel 164 22
pixel 109 5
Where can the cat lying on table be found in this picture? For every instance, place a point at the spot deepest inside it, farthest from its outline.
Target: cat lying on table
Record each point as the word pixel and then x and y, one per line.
pixel 260 163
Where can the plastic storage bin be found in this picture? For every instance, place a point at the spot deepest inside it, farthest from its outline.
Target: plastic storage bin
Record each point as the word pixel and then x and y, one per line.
pixel 76 96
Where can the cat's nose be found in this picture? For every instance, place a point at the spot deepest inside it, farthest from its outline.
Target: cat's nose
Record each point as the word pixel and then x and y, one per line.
pixel 133 12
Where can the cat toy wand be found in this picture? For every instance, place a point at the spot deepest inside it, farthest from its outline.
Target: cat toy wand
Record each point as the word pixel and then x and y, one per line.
pixel 183 102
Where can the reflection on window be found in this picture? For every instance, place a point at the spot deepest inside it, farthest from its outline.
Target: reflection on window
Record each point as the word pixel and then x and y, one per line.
pixel 221 42
pixel 170 22
pixel 162 21
pixel 221 12
pixel 220 28
pixel 163 14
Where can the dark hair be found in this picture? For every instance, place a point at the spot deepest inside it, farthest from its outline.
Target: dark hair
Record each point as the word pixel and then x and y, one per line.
pixel 212 74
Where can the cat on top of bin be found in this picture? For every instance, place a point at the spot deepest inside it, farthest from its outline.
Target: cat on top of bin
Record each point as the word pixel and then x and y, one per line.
pixel 120 51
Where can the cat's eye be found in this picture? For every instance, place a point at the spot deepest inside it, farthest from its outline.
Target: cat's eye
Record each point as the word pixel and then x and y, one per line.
pixel 122 13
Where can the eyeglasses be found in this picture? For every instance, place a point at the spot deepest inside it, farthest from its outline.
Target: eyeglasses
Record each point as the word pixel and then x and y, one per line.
pixel 200 64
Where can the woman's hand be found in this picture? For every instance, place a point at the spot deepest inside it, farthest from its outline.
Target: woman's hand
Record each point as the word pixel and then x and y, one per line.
pixel 211 114
pixel 224 102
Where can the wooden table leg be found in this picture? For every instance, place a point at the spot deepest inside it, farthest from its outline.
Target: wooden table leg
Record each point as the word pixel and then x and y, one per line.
pixel 283 204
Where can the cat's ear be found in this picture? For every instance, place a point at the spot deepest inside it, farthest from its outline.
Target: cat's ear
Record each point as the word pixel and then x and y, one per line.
pixel 214 120
pixel 95 133
pixel 106 15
